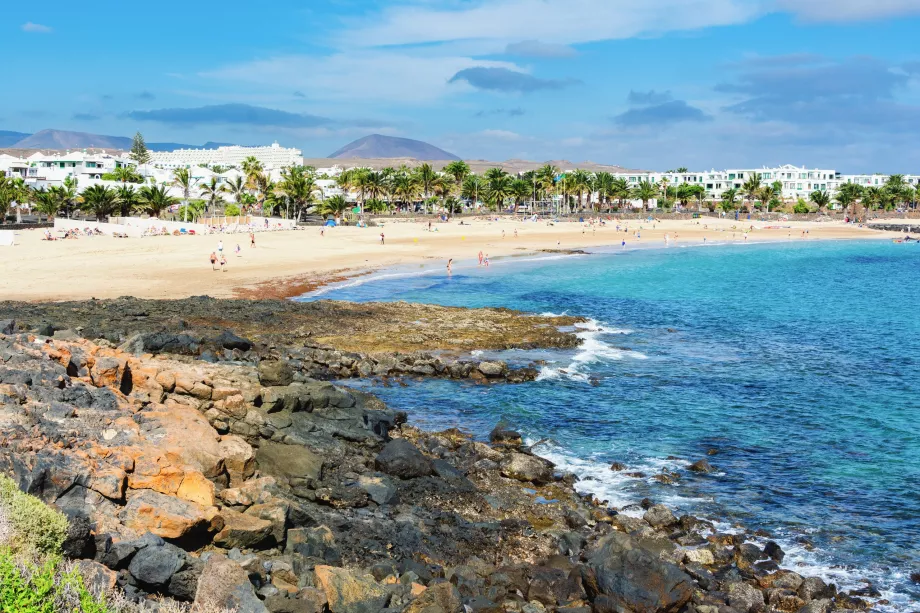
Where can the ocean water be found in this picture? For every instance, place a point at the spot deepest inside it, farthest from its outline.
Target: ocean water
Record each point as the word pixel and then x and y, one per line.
pixel 798 363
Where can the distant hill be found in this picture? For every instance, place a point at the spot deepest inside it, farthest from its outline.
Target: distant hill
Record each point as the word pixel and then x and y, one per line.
pixel 379 146
pixel 8 139
pixel 63 139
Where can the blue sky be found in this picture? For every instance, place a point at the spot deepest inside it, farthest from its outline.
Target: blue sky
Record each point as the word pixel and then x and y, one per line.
pixel 640 83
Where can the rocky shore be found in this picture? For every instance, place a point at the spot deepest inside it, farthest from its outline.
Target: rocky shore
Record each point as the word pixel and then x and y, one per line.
pixel 319 340
pixel 243 481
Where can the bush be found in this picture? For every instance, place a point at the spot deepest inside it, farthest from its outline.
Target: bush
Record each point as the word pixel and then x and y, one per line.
pixel 231 210
pixel 30 525
pixel 45 587
pixel 801 207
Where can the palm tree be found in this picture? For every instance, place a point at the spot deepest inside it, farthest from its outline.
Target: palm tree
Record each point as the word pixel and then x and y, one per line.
pixel 581 183
pixel 46 202
pixel 251 168
pixel 521 191
pixel 298 185
pixel 155 199
pixel 663 185
pixel 127 200
pixel 728 199
pixel 871 198
pixel 405 187
pixel 6 196
pixel 237 188
pixel 620 190
pixel 375 184
pixel 182 178
pixel 100 201
pixel 767 195
pixel 443 187
pixel 848 194
pixel 684 193
pixel 335 205
pixel 822 199
pixel 751 189
pixel 21 194
pixel 70 199
pixel 603 185
pixel 264 188
pixel 426 176
pixel 498 190
pixel 211 192
pixel 126 174
pixel 459 170
pixel 645 191
pixel 471 189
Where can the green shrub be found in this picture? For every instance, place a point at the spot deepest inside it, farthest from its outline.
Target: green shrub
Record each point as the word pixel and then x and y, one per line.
pixel 44 587
pixel 32 526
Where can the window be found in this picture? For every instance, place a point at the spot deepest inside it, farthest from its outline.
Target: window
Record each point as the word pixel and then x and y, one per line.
pixel 709 186
pixel 731 177
pixel 740 175
pixel 799 187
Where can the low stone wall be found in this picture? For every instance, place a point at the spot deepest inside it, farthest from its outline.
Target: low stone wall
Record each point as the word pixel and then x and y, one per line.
pixel 906 228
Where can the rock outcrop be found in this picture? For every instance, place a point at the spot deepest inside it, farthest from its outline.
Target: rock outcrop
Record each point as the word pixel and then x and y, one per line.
pixel 249 486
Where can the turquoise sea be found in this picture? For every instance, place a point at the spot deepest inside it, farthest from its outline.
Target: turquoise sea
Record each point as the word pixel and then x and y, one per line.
pixel 799 363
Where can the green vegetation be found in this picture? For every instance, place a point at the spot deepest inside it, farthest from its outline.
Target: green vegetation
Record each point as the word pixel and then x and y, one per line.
pixel 31 527
pixel 139 152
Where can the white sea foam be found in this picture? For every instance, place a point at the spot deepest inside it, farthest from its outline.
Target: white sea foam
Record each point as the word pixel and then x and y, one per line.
pixel 591 350
pixel 619 490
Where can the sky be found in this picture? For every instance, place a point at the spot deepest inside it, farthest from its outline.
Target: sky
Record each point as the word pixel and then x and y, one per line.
pixel 652 84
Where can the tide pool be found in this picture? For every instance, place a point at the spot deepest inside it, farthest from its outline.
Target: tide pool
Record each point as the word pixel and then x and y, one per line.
pixel 796 364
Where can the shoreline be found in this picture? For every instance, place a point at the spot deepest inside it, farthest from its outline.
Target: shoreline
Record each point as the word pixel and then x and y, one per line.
pixel 284 264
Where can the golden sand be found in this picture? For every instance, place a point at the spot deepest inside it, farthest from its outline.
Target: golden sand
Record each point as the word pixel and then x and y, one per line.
pixel 292 262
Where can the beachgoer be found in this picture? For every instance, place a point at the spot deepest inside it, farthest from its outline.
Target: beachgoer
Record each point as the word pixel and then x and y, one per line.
pixel 515 233
pixel 220 247
pixel 381 239
pixel 252 239
pixel 238 254
pixel 480 258
pixel 213 261
pixel 624 244
pixel 322 230
pixel 223 263
pixel 486 260
pixel 503 234
pixel 449 262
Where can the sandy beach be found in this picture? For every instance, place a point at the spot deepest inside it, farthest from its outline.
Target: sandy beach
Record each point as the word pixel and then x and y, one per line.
pixel 290 263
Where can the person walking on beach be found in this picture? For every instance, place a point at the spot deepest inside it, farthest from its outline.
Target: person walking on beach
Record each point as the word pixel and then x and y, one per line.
pixel 220 247
pixel 486 260
pixel 213 261
pixel 252 240
pixel 238 254
pixel 382 239
pixel 624 244
pixel 223 263
pixel 480 258
pixel 449 262
pixel 515 233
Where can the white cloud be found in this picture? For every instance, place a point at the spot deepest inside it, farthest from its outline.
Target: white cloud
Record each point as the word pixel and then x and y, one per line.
pixel 551 21
pixel 374 75
pixel 35 28
pixel 500 134
pixel 849 10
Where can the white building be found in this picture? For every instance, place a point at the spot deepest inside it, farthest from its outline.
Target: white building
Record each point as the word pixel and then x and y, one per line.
pixel 49 169
pixel 272 157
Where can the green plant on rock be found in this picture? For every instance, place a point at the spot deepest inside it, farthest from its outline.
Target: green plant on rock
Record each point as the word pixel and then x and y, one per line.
pixel 33 526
